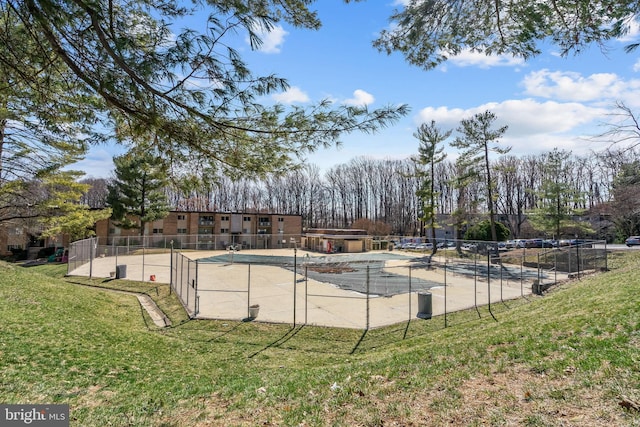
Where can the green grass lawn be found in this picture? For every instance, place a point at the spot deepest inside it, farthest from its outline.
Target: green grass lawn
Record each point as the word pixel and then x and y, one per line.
pixel 569 358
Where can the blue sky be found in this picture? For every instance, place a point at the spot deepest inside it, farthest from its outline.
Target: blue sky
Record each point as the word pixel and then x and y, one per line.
pixel 547 102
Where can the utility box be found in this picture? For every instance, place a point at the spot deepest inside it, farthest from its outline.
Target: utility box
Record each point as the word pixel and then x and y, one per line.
pixel 425 310
pixel 121 271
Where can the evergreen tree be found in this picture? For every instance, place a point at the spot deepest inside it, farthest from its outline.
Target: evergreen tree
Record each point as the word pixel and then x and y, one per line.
pixel 626 200
pixel 476 145
pixel 428 33
pixel 137 192
pixel 64 215
pixel 144 74
pixel 482 231
pixel 41 129
pixel 430 153
pixel 557 199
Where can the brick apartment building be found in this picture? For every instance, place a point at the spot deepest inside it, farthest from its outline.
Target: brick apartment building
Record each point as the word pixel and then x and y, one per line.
pixel 211 230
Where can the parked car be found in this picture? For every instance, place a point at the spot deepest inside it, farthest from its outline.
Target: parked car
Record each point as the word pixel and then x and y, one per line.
pixel 510 244
pixel 632 241
pixel 424 246
pixel 445 245
pixel 533 243
pixel 580 242
pixel 520 243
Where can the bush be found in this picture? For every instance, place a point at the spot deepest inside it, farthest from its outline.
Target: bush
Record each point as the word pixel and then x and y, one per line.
pixel 19 254
pixel 46 252
pixel 482 231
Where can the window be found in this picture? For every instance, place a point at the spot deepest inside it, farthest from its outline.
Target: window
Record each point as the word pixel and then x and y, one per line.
pixel 205 231
pixel 182 231
pixel 224 218
pixel 280 219
pixel 157 231
pixel 264 221
pixel 246 231
pixel 17 231
pixel 182 217
pixel 224 231
pixel 246 219
pixel 206 220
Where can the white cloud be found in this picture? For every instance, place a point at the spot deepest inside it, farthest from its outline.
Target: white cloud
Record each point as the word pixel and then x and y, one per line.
pixel 271 40
pixel 533 127
pixel 633 31
pixel 360 98
pixel 572 86
pixel 467 58
pixel 293 94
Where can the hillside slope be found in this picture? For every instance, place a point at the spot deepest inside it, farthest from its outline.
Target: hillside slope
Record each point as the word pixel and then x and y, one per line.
pixel 569 358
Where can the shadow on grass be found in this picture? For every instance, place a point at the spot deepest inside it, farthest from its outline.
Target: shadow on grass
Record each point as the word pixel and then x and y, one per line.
pixel 262 337
pixel 329 341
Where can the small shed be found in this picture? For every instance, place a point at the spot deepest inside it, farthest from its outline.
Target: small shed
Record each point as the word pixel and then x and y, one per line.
pixel 336 240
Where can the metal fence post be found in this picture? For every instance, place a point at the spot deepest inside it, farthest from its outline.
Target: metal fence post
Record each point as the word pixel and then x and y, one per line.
pixel 171 269
pixel 91 255
pixel 367 327
pixel 409 293
pixel 196 309
pixel 306 293
pixel 489 283
pixel 189 277
pixel 248 290
pixel 555 266
pixel 475 281
pixel 539 275
pixel 445 293
pixel 295 287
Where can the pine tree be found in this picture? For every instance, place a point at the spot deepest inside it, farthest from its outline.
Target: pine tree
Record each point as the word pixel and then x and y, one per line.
pixel 137 193
pixel 476 145
pixel 557 199
pixel 430 153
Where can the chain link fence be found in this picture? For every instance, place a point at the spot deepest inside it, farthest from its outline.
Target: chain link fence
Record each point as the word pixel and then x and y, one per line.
pixel 361 291
pixel 371 290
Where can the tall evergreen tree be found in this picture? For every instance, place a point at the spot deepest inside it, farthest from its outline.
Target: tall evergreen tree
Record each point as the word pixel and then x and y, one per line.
pixel 477 141
pixel 557 198
pixel 41 129
pixel 137 193
pixel 430 154
pixel 189 89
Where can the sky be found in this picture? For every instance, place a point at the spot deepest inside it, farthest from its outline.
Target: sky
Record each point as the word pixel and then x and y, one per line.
pixel 547 102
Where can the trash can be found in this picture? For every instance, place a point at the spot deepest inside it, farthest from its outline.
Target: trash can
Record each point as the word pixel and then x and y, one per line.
pixel 537 288
pixel 253 311
pixel 424 305
pixel 121 271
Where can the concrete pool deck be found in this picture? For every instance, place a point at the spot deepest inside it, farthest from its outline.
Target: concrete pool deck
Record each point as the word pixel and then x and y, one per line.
pixel 225 290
